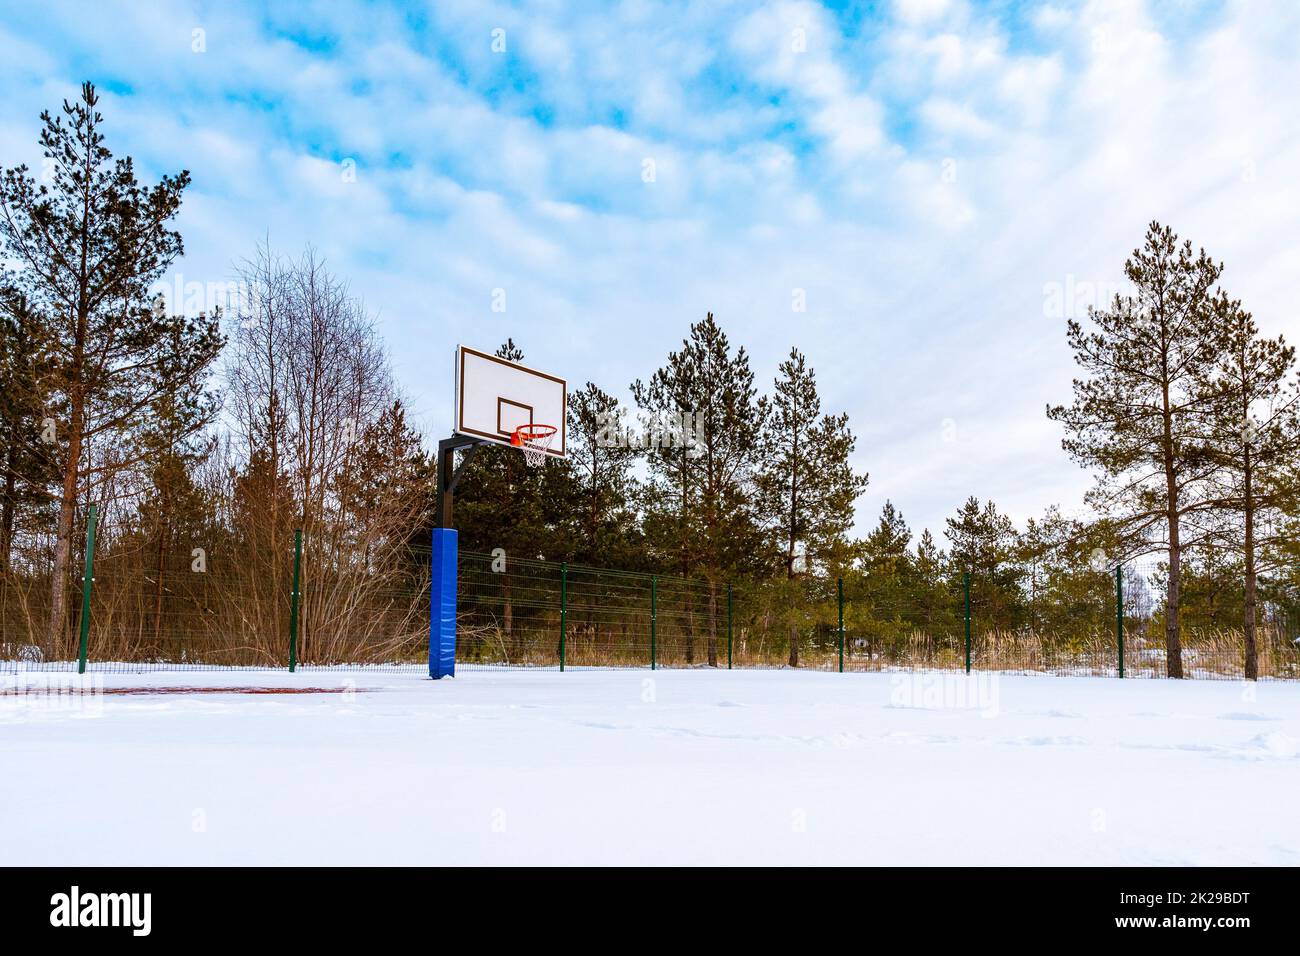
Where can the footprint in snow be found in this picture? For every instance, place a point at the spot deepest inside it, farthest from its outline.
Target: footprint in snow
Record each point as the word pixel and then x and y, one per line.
pixel 1276 744
pixel 1247 716
pixel 905 737
pixel 1048 741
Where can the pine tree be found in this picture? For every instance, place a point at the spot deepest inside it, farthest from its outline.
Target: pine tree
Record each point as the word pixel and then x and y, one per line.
pixel 386 495
pixel 984 545
pixel 263 519
pixel 1137 415
pixel 934 607
pixel 886 548
pixel 602 488
pixel 1253 434
pixel 1067 575
pixel 1035 549
pixel 91 242
pixel 888 566
pixel 174 511
pixel 806 483
pixel 27 469
pixel 699 507
pixel 670 501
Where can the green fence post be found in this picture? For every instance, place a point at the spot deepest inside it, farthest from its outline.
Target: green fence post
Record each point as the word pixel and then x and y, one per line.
pixel 839 587
pixel 564 602
pixel 654 612
pixel 293 601
pixel 87 582
pixel 1119 614
pixel 728 625
pixel 966 586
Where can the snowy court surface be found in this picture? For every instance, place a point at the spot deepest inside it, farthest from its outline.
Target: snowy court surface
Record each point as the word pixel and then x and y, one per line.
pixel 678 767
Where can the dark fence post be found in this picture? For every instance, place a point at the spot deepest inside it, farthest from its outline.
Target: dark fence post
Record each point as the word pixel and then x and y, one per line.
pixel 966 587
pixel 87 582
pixel 728 625
pixel 293 600
pixel 654 610
pixel 1119 615
pixel 564 602
pixel 839 588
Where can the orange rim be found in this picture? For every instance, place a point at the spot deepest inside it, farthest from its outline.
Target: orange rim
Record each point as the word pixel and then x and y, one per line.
pixel 527 433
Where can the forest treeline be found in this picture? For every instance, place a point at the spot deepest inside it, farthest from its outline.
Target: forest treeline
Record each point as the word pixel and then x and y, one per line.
pixel 208 441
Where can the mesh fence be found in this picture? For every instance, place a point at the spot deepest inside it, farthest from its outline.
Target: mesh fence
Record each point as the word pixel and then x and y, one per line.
pixel 508 616
pixel 1211 633
pixel 188 610
pixel 607 619
pixel 184 608
pixel 543 614
pixel 887 627
pixel 25 619
pixel 191 608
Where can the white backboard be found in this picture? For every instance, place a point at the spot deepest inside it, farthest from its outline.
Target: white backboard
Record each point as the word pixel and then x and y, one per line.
pixel 494 397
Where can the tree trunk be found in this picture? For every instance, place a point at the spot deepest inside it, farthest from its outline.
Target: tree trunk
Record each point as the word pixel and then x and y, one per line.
pixel 713 623
pixel 690 629
pixel 794 628
pixel 63 539
pixel 790 539
pixel 76 422
pixel 1173 645
pixel 7 507
pixel 158 591
pixel 1252 659
pixel 686 571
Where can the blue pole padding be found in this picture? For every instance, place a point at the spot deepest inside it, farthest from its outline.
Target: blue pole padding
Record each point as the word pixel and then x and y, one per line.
pixel 442 609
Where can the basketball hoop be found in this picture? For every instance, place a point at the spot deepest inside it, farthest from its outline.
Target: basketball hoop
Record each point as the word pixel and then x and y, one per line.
pixel 534 440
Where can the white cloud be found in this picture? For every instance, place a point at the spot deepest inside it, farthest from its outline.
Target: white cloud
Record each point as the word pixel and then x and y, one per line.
pixel 792 46
pixel 956 119
pixel 921 11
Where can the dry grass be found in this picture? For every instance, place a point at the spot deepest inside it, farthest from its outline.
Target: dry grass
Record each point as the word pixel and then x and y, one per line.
pixel 358 616
pixel 1206 654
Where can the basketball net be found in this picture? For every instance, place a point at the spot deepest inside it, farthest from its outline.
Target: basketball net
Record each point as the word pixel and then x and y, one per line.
pixel 534 441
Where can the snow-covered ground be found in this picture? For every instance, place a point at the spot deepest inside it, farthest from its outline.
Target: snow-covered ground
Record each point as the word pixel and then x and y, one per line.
pixel 740 767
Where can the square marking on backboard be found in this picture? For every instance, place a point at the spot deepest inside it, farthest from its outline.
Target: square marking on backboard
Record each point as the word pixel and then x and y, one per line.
pixel 510 415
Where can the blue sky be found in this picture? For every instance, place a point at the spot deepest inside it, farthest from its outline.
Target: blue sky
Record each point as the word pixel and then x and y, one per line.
pixel 944 180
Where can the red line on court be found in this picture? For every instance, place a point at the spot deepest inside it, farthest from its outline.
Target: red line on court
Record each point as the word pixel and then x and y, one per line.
pixel 210 690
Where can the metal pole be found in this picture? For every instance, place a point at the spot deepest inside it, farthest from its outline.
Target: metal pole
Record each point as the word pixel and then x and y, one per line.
pixel 87 582
pixel 1119 614
pixel 293 601
pixel 564 601
pixel 654 613
pixel 448 474
pixel 966 586
pixel 839 587
pixel 446 468
pixel 728 625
